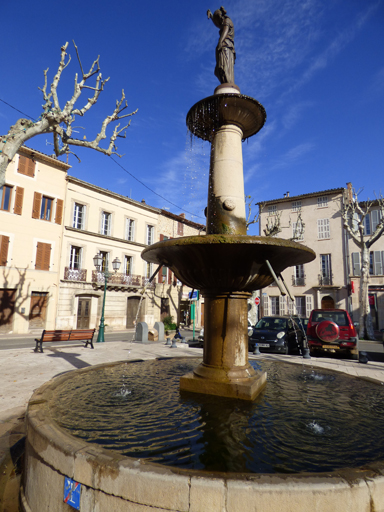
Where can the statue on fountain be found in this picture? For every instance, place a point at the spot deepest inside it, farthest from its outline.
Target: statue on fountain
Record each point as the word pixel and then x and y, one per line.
pixel 225 49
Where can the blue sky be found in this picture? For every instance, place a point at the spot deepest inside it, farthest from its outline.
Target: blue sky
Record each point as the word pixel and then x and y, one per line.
pixel 317 66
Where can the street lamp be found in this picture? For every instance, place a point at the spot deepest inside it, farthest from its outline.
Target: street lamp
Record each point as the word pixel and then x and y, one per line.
pixel 97 261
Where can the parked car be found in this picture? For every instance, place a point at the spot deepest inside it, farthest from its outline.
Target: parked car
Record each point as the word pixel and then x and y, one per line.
pixel 331 330
pixel 277 334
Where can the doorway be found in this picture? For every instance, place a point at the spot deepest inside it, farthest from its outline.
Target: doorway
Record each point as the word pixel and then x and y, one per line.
pixel 327 302
pixel 83 313
pixel 38 310
pixel 132 307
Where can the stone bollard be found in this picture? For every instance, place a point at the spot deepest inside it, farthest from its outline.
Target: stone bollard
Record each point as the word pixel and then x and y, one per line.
pixel 141 335
pixel 183 340
pixel 174 343
pixel 159 326
pixel 168 343
pixel 256 351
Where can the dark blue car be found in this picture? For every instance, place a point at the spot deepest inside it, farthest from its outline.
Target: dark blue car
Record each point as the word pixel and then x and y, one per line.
pixel 277 334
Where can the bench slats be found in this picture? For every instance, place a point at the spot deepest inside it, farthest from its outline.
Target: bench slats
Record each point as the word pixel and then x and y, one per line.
pixel 85 335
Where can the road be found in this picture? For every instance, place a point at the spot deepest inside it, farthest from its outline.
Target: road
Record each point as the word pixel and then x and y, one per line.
pixel 10 341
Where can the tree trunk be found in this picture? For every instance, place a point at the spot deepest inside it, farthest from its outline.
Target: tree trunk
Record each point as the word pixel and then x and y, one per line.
pixel 18 134
pixel 366 327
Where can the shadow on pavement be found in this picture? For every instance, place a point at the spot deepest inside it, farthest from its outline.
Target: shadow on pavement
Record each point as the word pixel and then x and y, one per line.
pixel 73 359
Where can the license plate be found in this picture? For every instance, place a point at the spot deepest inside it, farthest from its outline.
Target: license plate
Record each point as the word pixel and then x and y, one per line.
pixel 331 346
pixel 263 345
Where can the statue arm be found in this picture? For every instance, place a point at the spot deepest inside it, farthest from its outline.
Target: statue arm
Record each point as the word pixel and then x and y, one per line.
pixel 209 14
pixel 223 35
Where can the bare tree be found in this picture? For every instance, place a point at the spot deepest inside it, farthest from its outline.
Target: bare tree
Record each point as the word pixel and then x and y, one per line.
pixel 354 215
pixel 273 226
pixel 299 228
pixel 249 220
pixel 59 121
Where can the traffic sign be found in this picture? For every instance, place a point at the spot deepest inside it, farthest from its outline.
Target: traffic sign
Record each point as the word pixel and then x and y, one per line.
pixel 257 301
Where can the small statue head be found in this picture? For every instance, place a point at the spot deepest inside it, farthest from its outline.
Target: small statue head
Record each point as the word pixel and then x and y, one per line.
pixel 218 17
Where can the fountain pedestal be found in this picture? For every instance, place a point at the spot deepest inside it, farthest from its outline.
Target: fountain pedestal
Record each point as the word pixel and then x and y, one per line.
pixel 225 370
pixel 226 265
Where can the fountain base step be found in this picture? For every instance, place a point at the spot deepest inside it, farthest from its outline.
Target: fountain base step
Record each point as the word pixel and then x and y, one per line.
pixel 247 389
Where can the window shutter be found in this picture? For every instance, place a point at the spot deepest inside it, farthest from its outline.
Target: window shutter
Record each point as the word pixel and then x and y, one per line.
pixel 356 270
pixel 375 219
pixel 4 243
pixel 22 168
pixel 59 211
pixel 36 205
pixel 26 166
pixel 18 208
pixel 378 267
pixel 282 303
pixel 308 305
pixel 43 255
pixel 290 307
pixel 265 305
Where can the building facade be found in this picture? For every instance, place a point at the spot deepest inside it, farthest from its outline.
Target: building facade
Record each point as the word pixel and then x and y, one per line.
pixel 51 227
pixel 31 222
pixel 332 279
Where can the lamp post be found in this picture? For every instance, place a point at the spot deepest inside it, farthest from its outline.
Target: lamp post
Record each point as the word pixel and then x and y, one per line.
pixel 97 261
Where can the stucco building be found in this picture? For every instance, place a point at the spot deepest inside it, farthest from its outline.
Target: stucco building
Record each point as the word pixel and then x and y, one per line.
pixel 332 279
pixel 51 227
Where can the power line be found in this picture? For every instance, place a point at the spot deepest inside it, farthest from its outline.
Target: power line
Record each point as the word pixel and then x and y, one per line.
pixel 153 192
pixel 117 163
pixel 14 108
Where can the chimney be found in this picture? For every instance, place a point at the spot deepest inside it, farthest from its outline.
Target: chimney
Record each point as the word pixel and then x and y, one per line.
pixel 182 215
pixel 287 194
pixel 349 192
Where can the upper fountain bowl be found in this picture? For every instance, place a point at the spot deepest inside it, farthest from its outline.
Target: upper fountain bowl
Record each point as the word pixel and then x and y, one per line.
pixel 209 114
pixel 227 262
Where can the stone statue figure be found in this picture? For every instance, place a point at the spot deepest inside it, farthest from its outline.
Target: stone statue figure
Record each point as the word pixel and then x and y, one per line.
pixel 225 50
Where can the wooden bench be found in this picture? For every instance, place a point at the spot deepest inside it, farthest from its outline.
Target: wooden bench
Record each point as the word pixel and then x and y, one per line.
pixel 84 335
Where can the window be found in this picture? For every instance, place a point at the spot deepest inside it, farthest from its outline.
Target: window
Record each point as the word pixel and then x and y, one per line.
pixel 272 209
pixel 78 216
pixel 75 258
pixel 150 235
pixel 46 208
pixel 275 310
pixel 4 244
pixel 308 305
pixel 180 228
pixel 296 206
pixel 356 268
pixel 298 230
pixel 300 306
pixel 105 261
pixel 105 223
pixel 43 256
pixel 322 202
pixel 5 198
pixel 148 270
pixel 26 166
pixel 130 230
pixel 375 219
pixel 325 269
pixel 128 265
pixel 299 276
pixel 323 230
pixel 367 225
pixel 376 263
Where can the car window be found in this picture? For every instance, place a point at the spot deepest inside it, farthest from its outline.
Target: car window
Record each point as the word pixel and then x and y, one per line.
pixel 339 317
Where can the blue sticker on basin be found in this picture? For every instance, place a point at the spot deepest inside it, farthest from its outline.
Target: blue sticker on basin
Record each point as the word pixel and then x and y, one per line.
pixel 72 493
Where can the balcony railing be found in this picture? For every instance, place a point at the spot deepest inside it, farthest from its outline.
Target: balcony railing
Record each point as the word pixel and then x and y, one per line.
pixel 120 279
pixel 71 274
pixel 298 281
pixel 325 280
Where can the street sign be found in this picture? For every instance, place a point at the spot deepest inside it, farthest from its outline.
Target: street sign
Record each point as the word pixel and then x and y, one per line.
pixel 194 295
pixel 257 301
pixel 72 493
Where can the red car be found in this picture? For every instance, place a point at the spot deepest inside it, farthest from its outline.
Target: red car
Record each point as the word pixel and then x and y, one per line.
pixel 331 330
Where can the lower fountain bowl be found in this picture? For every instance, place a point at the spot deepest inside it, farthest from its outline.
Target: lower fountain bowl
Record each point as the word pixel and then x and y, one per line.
pixel 227 262
pixel 114 482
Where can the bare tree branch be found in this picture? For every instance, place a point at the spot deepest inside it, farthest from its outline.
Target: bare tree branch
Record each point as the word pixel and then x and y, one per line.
pixel 59 121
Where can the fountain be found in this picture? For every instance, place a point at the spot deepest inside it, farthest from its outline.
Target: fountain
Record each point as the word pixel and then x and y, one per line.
pixel 226 265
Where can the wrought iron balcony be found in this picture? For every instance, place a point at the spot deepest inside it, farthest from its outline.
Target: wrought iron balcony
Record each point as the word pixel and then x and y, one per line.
pixel 71 274
pixel 120 279
pixel 325 280
pixel 298 281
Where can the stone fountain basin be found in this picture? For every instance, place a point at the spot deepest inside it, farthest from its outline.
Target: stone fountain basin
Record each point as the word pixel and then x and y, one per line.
pixel 227 262
pixel 115 483
pixel 209 114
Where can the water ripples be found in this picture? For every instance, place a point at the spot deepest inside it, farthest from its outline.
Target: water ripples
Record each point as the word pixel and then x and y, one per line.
pixel 303 421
